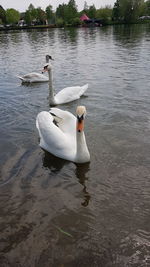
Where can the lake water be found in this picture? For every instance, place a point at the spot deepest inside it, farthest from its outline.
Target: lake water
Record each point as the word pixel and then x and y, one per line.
pixel 54 212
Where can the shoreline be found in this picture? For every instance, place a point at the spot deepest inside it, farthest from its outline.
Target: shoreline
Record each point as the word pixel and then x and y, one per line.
pixel 26 27
pixel 10 28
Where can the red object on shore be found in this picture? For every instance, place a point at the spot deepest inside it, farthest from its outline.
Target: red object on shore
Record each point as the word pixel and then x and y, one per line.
pixel 84 17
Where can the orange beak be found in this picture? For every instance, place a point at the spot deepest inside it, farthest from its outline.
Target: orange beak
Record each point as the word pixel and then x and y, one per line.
pixel 80 125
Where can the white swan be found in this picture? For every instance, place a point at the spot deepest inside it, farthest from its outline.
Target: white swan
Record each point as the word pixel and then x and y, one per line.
pixel 35 77
pixel 67 94
pixel 62 134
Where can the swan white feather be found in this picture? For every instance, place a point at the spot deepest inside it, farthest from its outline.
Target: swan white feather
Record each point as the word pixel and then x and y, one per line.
pixel 70 94
pixel 33 77
pixel 59 136
pixel 67 94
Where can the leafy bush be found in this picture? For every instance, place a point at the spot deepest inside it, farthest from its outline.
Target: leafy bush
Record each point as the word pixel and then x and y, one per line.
pixel 59 22
pixel 76 22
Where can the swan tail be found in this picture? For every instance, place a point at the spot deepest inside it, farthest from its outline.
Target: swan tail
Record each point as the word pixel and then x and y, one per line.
pixel 43 120
pixel 84 88
pixel 69 94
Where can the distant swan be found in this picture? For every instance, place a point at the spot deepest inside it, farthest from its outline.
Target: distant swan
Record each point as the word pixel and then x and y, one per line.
pixel 62 134
pixel 67 94
pixel 35 77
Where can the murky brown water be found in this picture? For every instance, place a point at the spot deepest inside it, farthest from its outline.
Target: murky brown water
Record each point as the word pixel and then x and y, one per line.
pixel 57 213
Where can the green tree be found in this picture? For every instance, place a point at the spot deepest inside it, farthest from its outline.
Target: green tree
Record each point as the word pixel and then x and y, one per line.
pixel 104 13
pixel 71 11
pixel 127 10
pixel 73 5
pixel 28 17
pixel 116 11
pixel 31 7
pixel 60 11
pixel 31 14
pixel 41 16
pixel 76 22
pixel 148 7
pixel 2 15
pixel 12 15
pixel 59 22
pixel 68 12
pixel 50 14
pixel 85 7
pixel 143 9
pixel 91 12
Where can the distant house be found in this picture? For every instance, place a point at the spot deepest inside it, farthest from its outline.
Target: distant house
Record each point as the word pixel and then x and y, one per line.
pixel 84 17
pixel 91 22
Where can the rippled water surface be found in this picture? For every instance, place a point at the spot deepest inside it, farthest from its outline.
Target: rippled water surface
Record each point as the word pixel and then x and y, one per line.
pixel 54 212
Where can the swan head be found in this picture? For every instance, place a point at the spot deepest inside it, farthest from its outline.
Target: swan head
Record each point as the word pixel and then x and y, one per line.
pixel 81 113
pixel 47 66
pixel 48 57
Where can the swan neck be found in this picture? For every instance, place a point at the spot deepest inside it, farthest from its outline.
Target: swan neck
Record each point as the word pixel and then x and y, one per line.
pixel 51 89
pixel 82 153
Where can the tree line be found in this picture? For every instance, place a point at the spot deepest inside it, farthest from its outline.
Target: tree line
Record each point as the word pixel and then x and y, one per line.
pixel 123 11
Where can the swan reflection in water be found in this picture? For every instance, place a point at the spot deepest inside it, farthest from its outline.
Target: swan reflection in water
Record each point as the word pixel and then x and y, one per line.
pixel 80 172
pixel 55 165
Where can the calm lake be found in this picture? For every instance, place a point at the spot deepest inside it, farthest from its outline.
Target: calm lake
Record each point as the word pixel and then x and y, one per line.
pixel 57 213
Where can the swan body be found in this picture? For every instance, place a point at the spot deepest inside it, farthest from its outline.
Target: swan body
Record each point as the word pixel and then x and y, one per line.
pixel 67 94
pixel 61 134
pixel 33 77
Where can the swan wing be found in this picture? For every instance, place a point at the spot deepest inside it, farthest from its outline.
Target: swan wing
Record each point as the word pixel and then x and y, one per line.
pixel 65 120
pixel 69 94
pixel 53 138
